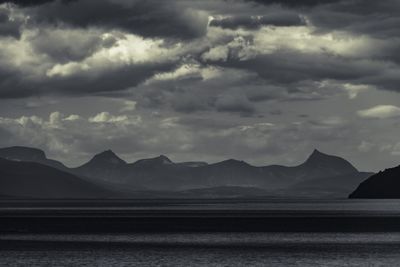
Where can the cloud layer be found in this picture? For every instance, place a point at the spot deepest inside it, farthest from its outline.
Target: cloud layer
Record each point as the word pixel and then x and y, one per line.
pixel 52 46
pixel 253 68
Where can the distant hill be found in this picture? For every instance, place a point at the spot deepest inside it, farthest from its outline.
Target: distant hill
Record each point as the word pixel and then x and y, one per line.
pixel 320 175
pixel 34 180
pixel 385 184
pixel 29 154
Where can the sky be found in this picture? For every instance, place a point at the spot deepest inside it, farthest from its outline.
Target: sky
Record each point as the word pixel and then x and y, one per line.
pixel 262 81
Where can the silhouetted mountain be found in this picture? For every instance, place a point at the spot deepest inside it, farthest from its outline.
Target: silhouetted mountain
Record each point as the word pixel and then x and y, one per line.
pixel 323 175
pixel 104 161
pixel 110 169
pixel 158 173
pixel 320 174
pixel 319 161
pixel 385 184
pixel 162 174
pixel 107 157
pixel 319 169
pixel 34 180
pixel 105 168
pixel 29 154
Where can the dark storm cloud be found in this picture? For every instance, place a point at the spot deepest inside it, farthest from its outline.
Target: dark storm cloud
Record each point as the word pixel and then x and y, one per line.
pixel 60 59
pixel 26 2
pixel 9 27
pixel 388 79
pixel 376 18
pixel 14 85
pixel 255 22
pixel 64 45
pixel 146 18
pixel 113 80
pixel 304 66
pixel 66 32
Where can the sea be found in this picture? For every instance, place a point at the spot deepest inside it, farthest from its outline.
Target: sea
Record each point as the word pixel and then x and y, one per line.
pixel 215 248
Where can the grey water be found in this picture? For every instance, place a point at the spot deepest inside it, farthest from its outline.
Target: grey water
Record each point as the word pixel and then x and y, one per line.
pixel 202 249
pixel 384 206
pixel 213 249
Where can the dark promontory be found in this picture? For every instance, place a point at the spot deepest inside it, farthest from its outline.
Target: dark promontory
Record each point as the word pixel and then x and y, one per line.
pixel 385 184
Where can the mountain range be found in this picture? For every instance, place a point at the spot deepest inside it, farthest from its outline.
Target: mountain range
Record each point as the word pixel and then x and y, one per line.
pixel 107 175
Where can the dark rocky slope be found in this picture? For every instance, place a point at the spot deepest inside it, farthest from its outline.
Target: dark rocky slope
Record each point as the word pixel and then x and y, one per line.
pixel 385 184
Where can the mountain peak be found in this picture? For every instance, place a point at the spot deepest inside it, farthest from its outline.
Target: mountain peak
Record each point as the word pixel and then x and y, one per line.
pixel 164 159
pixel 320 160
pixel 317 154
pixel 107 156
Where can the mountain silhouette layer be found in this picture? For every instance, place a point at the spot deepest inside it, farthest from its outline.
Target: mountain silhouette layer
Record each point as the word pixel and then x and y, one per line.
pixel 35 180
pixel 385 184
pixel 320 175
pixel 160 173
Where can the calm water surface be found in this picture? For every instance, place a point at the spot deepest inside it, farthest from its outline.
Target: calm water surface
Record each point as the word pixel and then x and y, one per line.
pixel 202 249
pixel 214 249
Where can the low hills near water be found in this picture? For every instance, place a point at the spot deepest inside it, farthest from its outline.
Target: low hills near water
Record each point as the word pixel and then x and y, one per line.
pixel 28 173
pixel 385 184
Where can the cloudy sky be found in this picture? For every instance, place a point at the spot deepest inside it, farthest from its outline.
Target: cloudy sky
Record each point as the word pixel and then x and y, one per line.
pixel 261 81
